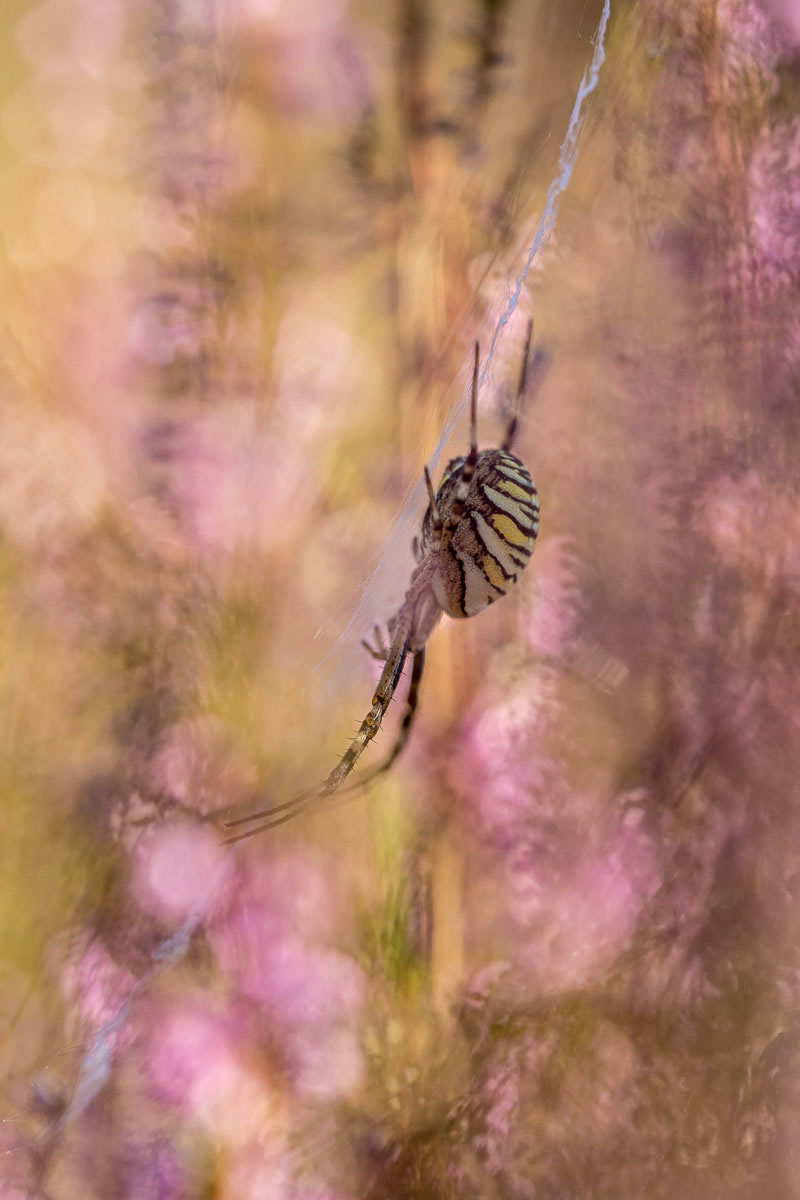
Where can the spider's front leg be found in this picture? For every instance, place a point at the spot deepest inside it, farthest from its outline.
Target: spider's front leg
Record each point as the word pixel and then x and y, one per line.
pixel 278 814
pixel 387 686
pixel 380 650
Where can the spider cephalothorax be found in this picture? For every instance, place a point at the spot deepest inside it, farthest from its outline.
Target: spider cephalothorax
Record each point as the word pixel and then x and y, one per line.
pixel 477 536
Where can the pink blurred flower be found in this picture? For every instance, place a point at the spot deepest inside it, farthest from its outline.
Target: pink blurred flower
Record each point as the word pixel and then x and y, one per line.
pixel 750 43
pixel 317 67
pixel 189 1047
pixel 196 1062
pixel 583 914
pixel 271 944
pixel 94 984
pixel 230 473
pixel 555 598
pixel 305 985
pixel 180 870
pixel 773 182
pixel 734 515
pixel 502 1095
pixel 502 760
pixel 153 1169
pixel 329 1065
pixel 787 15
pixel 292 894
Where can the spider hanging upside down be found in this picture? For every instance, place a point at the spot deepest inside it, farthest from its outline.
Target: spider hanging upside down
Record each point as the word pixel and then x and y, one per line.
pixel 477 536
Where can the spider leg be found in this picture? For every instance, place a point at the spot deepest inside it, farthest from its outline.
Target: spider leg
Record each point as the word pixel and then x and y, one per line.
pixel 530 371
pixel 513 423
pixel 468 466
pixel 268 818
pixel 405 725
pixel 379 650
pixel 436 516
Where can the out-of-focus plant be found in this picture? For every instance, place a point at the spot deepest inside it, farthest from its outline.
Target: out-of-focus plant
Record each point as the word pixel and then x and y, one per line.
pixel 246 248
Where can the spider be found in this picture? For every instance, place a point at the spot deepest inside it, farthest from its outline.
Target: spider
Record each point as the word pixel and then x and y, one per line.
pixel 477 535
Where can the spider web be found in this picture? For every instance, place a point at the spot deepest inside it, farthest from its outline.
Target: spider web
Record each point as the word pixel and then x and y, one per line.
pixel 96 1061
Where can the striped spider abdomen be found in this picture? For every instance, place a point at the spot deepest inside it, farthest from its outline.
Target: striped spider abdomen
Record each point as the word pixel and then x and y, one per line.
pixel 493 538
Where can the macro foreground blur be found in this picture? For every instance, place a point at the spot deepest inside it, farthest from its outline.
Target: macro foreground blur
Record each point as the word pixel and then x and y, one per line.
pixel 246 247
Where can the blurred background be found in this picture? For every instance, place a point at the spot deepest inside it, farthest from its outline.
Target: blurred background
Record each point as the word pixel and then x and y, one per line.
pixel 246 247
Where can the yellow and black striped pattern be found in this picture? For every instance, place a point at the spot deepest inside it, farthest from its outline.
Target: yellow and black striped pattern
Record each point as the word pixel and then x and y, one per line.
pixel 494 538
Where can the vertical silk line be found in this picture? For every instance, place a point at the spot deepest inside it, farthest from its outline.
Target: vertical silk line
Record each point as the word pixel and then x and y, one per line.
pixel 567 158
